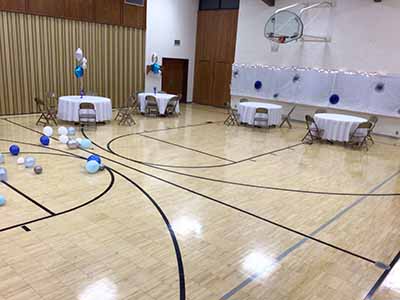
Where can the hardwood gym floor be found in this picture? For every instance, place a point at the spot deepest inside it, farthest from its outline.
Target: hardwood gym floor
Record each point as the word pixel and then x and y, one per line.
pixel 191 209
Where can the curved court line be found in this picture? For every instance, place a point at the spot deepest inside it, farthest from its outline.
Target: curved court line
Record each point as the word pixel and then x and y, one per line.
pixel 178 254
pixel 232 207
pixel 112 180
pixel 231 163
pixel 110 150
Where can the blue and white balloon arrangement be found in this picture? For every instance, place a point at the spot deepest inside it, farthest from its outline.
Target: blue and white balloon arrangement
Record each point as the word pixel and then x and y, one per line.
pixel 80 68
pixel 155 67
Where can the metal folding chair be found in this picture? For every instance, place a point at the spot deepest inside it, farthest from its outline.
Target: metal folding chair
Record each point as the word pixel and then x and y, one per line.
pixel 127 114
pixel 261 116
pixel 313 132
pixel 46 114
pixel 359 137
pixel 373 120
pixel 151 106
pixel 286 118
pixel 172 104
pixel 233 115
pixel 87 114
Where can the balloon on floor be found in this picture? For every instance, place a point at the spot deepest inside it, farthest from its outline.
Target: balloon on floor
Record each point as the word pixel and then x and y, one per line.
pixel 38 170
pixel 92 166
pixel 3 174
pixel 44 140
pixel 94 157
pixel 14 150
pixel 85 144
pixel 2 200
pixel 20 160
pixel 48 131
pixel 29 162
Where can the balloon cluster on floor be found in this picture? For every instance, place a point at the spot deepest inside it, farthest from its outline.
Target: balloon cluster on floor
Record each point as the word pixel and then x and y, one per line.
pixel 67 137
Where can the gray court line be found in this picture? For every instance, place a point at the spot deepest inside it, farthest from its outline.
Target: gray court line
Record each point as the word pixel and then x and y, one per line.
pixel 284 254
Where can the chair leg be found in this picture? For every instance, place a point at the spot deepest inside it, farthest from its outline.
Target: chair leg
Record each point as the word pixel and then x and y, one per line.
pixel 283 122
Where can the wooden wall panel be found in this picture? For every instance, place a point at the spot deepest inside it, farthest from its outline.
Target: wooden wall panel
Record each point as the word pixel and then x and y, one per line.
pixel 133 15
pixel 80 9
pixel 37 56
pixel 13 5
pixel 47 7
pixel 108 11
pixel 215 48
pixel 114 12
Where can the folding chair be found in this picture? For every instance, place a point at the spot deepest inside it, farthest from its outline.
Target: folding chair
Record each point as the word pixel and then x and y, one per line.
pixel 286 118
pixel 87 114
pixel 359 137
pixel 321 111
pixel 51 101
pixel 151 106
pixel 313 132
pixel 172 104
pixel 233 115
pixel 127 114
pixel 45 113
pixel 261 116
pixel 373 120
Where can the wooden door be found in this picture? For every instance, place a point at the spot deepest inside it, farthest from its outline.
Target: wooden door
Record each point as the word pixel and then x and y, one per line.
pixel 215 54
pixel 175 76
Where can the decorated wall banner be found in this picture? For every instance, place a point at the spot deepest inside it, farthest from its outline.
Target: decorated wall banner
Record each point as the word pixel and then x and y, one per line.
pixel 363 92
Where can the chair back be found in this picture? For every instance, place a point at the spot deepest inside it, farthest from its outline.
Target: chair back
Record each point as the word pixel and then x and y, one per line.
pixel 243 100
pixel 373 120
pixel 365 125
pixel 310 122
pixel 321 111
pixel 261 110
pixel 87 105
pixel 131 101
pixel 40 105
pixel 150 99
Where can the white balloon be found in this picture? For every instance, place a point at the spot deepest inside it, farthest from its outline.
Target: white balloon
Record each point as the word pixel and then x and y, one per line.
pixel 64 139
pixel 84 60
pixel 20 160
pixel 84 66
pixel 79 54
pixel 62 130
pixel 79 140
pixel 48 131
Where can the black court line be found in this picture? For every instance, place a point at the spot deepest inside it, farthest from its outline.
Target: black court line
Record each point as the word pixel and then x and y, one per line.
pixel 382 278
pixel 111 172
pixel 232 206
pixel 187 148
pixel 219 202
pixel 41 206
pixel 112 180
pixel 26 228
pixel 190 167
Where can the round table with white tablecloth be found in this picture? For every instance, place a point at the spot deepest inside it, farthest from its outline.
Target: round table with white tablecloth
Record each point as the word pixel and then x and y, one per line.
pixel 247 112
pixel 68 107
pixel 337 127
pixel 162 101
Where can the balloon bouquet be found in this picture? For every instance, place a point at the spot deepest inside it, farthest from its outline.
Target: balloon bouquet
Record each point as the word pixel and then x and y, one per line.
pixel 80 68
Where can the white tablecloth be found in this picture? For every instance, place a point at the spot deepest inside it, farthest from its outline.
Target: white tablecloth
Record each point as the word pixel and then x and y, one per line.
pixel 247 112
pixel 162 101
pixel 337 127
pixel 68 107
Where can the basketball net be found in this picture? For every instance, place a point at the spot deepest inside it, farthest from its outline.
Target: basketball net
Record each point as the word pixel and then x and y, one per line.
pixel 274 47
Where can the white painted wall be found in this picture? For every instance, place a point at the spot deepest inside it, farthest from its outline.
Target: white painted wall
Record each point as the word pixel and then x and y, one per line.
pixel 363 39
pixel 169 20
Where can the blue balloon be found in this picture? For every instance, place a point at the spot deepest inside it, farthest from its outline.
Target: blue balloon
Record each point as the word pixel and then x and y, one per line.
pixel 71 131
pixel 258 85
pixel 92 166
pixel 29 162
pixel 85 143
pixel 44 140
pixel 14 150
pixel 155 68
pixel 2 200
pixel 95 158
pixel 334 99
pixel 79 72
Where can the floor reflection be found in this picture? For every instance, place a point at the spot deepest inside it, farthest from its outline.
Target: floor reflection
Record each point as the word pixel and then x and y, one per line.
pixel 103 289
